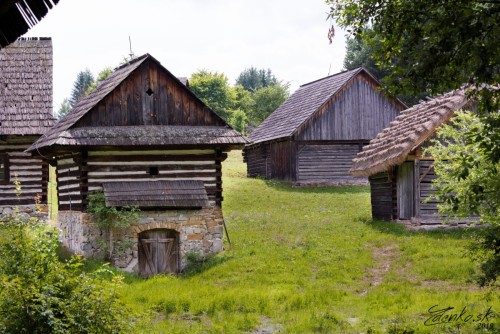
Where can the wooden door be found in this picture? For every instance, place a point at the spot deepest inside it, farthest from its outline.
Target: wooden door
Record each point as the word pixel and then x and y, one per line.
pixel 406 200
pixel 158 252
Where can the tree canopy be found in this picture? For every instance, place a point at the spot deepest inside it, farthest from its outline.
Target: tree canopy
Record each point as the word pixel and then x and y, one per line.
pixel 82 83
pixel 252 79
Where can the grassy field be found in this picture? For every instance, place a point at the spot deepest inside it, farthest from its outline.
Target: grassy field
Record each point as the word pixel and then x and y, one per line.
pixel 311 260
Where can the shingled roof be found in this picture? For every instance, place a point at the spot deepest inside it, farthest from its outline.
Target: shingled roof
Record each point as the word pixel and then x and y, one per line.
pixel 17 17
pixel 26 87
pixel 410 129
pixel 301 105
pixel 63 132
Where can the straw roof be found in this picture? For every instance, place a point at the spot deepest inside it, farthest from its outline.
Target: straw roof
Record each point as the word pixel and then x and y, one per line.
pixel 302 105
pixel 17 17
pixel 410 129
pixel 26 87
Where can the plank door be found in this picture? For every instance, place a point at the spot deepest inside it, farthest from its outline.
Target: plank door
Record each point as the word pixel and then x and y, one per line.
pixel 405 190
pixel 158 252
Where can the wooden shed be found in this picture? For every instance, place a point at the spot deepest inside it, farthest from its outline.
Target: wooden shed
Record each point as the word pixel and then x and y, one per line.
pixel 25 115
pixel 400 176
pixel 145 139
pixel 314 135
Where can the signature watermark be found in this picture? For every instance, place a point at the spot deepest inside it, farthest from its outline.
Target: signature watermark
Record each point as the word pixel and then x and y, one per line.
pixel 439 315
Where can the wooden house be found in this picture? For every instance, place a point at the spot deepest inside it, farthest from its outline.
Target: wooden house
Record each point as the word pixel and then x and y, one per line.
pixel 400 176
pixel 145 139
pixel 17 17
pixel 25 115
pixel 314 135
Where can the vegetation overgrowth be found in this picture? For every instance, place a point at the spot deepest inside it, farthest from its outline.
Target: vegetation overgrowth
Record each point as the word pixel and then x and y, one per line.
pixel 311 260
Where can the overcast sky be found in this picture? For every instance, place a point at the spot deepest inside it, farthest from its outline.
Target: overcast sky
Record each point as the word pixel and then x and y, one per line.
pixel 287 36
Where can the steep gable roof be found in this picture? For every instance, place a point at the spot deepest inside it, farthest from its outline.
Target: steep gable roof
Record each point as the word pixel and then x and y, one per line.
pixel 26 87
pixel 63 133
pixel 301 105
pixel 17 17
pixel 392 146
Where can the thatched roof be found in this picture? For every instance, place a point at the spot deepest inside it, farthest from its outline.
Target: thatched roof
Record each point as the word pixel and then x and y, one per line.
pixel 302 105
pixel 17 17
pixel 409 130
pixel 26 87
pixel 67 134
pixel 169 194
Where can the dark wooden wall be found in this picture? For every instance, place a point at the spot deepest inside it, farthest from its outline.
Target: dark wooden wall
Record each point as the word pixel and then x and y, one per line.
pixel 256 158
pixel 383 196
pixel 326 162
pixel 32 172
pixel 85 172
pixel 275 160
pixel 150 96
pixel 359 112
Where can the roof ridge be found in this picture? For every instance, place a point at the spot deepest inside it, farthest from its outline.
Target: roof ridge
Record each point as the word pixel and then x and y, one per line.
pixel 331 76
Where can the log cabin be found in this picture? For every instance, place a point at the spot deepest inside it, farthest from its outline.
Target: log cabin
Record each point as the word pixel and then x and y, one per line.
pixel 314 135
pixel 144 139
pixel 400 175
pixel 25 115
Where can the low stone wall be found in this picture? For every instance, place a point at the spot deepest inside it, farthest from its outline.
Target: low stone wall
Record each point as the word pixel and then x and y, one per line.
pixel 199 231
pixel 24 211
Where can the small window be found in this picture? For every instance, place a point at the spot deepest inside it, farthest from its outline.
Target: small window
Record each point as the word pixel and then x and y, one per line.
pixel 4 168
pixel 153 171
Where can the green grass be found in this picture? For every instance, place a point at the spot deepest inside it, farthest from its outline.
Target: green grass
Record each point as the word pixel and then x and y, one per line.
pixel 311 260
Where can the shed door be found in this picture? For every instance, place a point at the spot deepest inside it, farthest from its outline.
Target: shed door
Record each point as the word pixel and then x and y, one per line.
pixel 405 190
pixel 158 252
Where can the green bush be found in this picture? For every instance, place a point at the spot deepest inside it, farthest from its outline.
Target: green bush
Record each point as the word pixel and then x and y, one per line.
pixel 41 294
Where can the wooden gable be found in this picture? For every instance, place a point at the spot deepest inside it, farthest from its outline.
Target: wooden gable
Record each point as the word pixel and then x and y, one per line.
pixel 150 95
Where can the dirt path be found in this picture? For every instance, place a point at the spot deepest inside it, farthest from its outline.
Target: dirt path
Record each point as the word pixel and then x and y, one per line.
pixel 384 258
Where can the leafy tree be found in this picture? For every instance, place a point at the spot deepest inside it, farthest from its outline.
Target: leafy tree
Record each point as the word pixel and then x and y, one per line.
pixel 64 109
pixel 40 294
pixel 252 79
pixel 436 46
pixel 82 83
pixel 106 72
pixel 242 99
pixel 267 100
pixel 238 120
pixel 213 89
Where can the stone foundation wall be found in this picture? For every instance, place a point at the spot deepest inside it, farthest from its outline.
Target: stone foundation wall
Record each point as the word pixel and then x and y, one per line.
pixel 24 211
pixel 199 231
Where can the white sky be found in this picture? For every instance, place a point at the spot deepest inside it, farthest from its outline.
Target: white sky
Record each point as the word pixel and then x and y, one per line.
pixel 228 36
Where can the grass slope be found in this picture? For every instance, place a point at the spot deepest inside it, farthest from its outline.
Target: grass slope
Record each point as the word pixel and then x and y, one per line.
pixel 311 260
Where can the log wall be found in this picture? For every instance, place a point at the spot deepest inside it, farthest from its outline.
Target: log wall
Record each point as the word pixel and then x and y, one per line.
pixel 31 171
pixel 327 163
pixel 425 171
pixel 77 176
pixel 383 196
pixel 256 159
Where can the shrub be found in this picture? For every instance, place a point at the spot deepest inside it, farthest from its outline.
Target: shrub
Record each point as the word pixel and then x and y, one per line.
pixel 40 294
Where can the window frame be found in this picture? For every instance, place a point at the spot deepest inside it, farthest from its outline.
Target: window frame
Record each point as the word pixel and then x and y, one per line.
pixel 4 157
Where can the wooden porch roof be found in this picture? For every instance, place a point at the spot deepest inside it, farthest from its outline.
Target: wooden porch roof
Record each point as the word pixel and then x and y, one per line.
pixel 17 17
pixel 26 87
pixel 410 129
pixel 165 194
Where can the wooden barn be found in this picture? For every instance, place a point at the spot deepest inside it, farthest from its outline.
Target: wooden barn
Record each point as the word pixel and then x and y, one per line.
pixel 400 176
pixel 25 115
pixel 145 139
pixel 313 136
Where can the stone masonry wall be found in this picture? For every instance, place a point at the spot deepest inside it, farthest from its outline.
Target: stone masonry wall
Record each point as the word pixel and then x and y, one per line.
pixel 25 211
pixel 199 231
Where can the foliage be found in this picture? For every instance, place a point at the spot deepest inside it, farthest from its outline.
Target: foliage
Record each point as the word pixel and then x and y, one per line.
pixel 434 47
pixel 213 89
pixel 267 100
pixel 83 81
pixel 469 182
pixel 238 120
pixel 64 109
pixel 253 79
pixel 109 218
pixel 310 260
pixel 106 72
pixel 40 294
